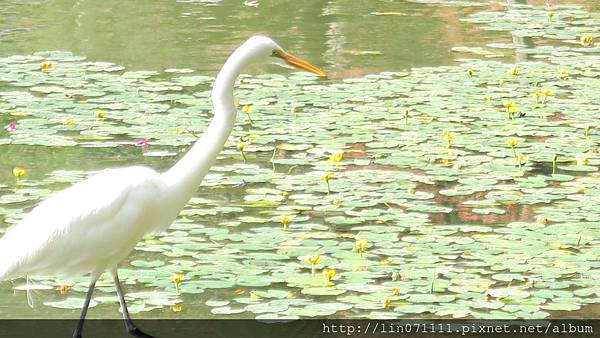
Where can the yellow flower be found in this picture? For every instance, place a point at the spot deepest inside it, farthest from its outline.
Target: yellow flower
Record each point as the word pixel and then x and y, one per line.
pixel 446 162
pixel 522 157
pixel 248 108
pixel 551 14
pixel 537 93
pixel 501 83
pixel 581 159
pixel 514 71
pixel 386 302
pixel 18 172
pixel 285 220
pixel 241 145
pixel 336 157
pixel 586 40
pixel 512 142
pixel 470 71
pixel 100 113
pixel 46 66
pixel 511 107
pixel 360 246
pixel 329 273
pixel 69 122
pixel 178 278
pixel 177 308
pixel 314 259
pixel 547 92
pixel 447 135
pixel 541 219
pixel 395 291
pixel 326 177
pixel 563 73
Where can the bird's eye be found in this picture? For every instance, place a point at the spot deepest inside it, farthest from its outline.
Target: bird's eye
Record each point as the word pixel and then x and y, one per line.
pixel 277 53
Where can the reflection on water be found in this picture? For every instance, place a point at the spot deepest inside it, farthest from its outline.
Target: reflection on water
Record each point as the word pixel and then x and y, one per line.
pixel 200 35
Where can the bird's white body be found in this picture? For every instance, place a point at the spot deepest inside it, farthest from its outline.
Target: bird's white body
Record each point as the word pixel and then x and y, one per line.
pixel 76 232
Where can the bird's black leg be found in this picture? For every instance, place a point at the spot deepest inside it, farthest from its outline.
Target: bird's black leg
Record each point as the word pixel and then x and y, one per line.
pixel 86 304
pixel 134 331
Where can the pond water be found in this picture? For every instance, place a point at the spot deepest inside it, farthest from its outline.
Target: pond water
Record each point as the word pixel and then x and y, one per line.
pixel 456 141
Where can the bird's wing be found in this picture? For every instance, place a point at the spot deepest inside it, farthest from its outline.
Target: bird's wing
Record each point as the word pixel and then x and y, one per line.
pixel 89 219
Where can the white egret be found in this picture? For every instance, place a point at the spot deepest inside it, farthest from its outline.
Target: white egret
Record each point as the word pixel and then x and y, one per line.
pixel 93 225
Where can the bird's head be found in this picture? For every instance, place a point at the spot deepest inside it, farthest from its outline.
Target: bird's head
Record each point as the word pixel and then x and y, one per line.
pixel 261 48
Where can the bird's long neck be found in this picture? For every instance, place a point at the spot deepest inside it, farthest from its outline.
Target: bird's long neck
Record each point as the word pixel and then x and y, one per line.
pixel 186 175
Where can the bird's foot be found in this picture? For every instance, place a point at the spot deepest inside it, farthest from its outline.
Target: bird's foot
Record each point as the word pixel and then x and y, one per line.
pixel 137 333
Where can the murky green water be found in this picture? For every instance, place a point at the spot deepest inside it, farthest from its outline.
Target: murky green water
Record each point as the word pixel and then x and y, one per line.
pixel 398 185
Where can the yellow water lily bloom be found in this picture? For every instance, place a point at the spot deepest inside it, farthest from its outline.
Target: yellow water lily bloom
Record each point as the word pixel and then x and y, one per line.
pixel 522 157
pixel 501 83
pixel 447 135
pixel 248 108
pixel 511 107
pixel 514 71
pixel 581 159
pixel 470 71
pixel 563 73
pixel 446 162
pixel 285 220
pixel 69 122
pixel 313 259
pixel 178 277
pixel 512 142
pixel 327 176
pixel 177 308
pixel 547 92
pixel 100 113
pixel 386 302
pixel 241 145
pixel 329 273
pixel 336 157
pixel 586 40
pixel 46 66
pixel 360 246
pixel 19 172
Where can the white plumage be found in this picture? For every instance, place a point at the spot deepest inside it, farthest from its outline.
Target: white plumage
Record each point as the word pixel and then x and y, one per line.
pixel 87 227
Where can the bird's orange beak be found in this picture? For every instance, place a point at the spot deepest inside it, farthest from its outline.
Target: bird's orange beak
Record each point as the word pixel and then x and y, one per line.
pixel 299 63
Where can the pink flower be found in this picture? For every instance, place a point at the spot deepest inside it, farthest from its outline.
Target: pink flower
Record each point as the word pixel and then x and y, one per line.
pixel 141 143
pixel 11 127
